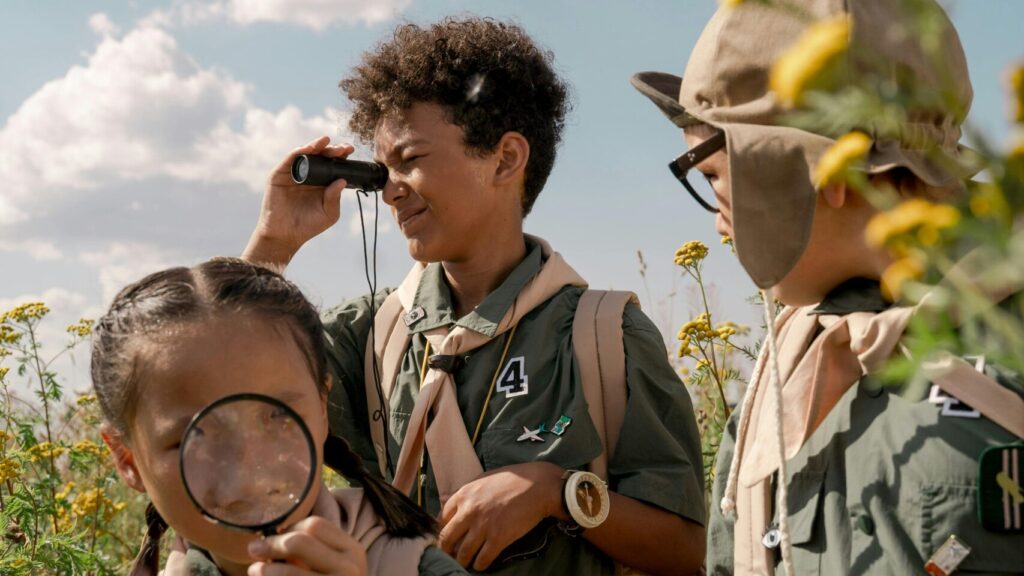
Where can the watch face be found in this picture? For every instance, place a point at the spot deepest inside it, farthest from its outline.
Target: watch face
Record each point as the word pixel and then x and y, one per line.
pixel 587 498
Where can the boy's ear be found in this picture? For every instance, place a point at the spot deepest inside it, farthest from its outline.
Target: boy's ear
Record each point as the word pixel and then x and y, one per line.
pixel 835 195
pixel 513 151
pixel 124 460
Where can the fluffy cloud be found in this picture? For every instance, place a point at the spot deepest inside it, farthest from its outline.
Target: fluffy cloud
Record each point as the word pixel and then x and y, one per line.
pixel 101 24
pixel 315 14
pixel 41 250
pixel 140 108
pixel 123 263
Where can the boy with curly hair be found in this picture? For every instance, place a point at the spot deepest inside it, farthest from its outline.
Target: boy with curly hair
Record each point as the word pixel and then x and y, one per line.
pixel 487 419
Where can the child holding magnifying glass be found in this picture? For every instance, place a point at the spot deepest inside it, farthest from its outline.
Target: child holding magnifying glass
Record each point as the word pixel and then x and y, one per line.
pixel 181 339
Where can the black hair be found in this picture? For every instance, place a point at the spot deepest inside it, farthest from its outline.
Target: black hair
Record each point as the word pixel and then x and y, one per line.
pixel 223 285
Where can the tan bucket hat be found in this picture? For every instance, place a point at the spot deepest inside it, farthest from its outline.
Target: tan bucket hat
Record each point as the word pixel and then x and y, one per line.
pixel 726 85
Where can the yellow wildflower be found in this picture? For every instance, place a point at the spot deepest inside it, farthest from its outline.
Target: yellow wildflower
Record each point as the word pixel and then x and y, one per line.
pixel 8 335
pixel 26 312
pixel 797 68
pixel 9 469
pixel 86 400
pixel 726 330
pixel 1017 88
pixel 95 501
pixel 3 372
pixel 63 494
pixel 82 328
pixel 698 329
pixel 899 273
pixel 701 363
pixel 691 253
pixel 916 214
pixel 45 450
pixel 89 447
pixel 847 151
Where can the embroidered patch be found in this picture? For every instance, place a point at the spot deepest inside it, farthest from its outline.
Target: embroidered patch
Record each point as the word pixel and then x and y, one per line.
pixel 952 406
pixel 1000 495
pixel 513 380
pixel 559 428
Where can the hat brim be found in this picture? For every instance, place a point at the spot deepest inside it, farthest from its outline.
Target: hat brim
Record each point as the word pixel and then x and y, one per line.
pixel 663 90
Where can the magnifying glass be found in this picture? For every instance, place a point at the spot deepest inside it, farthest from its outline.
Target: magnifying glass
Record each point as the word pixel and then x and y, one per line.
pixel 248 462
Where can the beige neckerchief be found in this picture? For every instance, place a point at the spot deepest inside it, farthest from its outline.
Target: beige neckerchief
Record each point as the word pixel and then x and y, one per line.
pixel 384 554
pixel 436 420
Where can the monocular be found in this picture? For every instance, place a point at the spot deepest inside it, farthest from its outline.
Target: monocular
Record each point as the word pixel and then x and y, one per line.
pixel 321 171
pixel 248 461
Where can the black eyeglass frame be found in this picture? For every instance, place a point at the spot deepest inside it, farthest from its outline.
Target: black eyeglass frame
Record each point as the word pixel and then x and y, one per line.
pixel 687 160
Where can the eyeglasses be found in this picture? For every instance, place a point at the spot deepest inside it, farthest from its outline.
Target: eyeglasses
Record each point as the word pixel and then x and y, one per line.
pixel 681 165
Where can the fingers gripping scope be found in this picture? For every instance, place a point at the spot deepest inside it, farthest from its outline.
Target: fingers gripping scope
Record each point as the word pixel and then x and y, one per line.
pixel 321 171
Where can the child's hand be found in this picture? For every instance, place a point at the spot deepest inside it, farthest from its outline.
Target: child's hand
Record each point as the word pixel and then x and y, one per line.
pixel 312 546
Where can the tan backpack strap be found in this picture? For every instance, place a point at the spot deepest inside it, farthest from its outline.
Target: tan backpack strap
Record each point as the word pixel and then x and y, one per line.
pixel 391 338
pixel 993 400
pixel 597 344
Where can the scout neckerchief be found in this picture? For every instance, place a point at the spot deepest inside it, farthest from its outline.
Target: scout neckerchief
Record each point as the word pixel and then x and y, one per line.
pixel 436 420
pixel 815 373
pixel 349 509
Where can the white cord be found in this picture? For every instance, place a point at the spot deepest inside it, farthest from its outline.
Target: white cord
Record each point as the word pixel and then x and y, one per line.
pixel 776 384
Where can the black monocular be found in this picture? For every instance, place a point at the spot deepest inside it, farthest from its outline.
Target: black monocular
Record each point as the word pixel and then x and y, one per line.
pixel 321 171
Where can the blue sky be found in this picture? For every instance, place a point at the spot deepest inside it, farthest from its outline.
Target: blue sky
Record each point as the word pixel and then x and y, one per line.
pixel 136 135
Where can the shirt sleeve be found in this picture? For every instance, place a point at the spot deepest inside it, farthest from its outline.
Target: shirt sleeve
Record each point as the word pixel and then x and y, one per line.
pixel 434 562
pixel 346 331
pixel 658 457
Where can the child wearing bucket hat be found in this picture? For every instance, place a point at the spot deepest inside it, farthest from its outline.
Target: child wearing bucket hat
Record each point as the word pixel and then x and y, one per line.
pixel 824 470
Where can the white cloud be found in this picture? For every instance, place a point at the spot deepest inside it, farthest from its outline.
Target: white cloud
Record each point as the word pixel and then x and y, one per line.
pixel 123 263
pixel 316 14
pixel 58 300
pixel 101 24
pixel 40 250
pixel 140 108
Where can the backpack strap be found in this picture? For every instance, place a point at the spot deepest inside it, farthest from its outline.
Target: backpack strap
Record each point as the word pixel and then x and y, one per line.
pixel 597 344
pixel 389 342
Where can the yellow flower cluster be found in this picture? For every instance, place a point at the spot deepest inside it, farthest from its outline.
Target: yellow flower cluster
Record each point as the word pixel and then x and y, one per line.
pixel 9 469
pixel 3 372
pixel 63 494
pixel 82 328
pixel 989 202
pixel 726 330
pixel 691 253
pixel 1017 87
pixel 897 274
pixel 8 335
pixel 89 502
pixel 86 400
pixel 45 450
pixel 918 215
pixel 89 447
pixel 844 154
pixel 797 68
pixel 25 312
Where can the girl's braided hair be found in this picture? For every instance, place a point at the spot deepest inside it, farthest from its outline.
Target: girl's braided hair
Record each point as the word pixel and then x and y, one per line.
pixel 223 285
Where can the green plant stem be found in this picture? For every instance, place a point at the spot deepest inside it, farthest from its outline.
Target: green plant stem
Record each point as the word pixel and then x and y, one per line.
pixel 46 415
pixel 714 363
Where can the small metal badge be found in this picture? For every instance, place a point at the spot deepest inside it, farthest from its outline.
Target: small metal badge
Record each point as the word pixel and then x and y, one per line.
pixel 948 557
pixel 559 428
pixel 772 537
pixel 531 435
pixel 413 316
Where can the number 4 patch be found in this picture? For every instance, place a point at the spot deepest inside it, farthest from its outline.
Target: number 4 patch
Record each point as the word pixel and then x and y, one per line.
pixel 513 380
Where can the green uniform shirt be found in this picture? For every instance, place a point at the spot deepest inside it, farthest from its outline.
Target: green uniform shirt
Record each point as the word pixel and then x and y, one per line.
pixel 657 460
pixel 883 482
pixel 433 563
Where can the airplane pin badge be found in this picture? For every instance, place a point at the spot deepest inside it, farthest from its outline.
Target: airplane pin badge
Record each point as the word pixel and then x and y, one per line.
pixel 531 435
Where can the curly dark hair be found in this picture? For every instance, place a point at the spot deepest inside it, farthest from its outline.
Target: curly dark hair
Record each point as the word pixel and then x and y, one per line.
pixel 489 76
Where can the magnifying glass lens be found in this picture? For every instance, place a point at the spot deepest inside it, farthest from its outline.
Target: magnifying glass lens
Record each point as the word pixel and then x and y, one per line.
pixel 301 169
pixel 247 461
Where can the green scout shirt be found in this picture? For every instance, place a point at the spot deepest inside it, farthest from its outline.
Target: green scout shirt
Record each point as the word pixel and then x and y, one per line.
pixel 884 480
pixel 657 460
pixel 434 562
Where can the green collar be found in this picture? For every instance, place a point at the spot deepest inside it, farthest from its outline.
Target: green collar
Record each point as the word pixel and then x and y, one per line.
pixel 435 297
pixel 854 295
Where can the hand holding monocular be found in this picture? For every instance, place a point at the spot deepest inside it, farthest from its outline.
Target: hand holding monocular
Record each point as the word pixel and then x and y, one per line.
pixel 314 170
